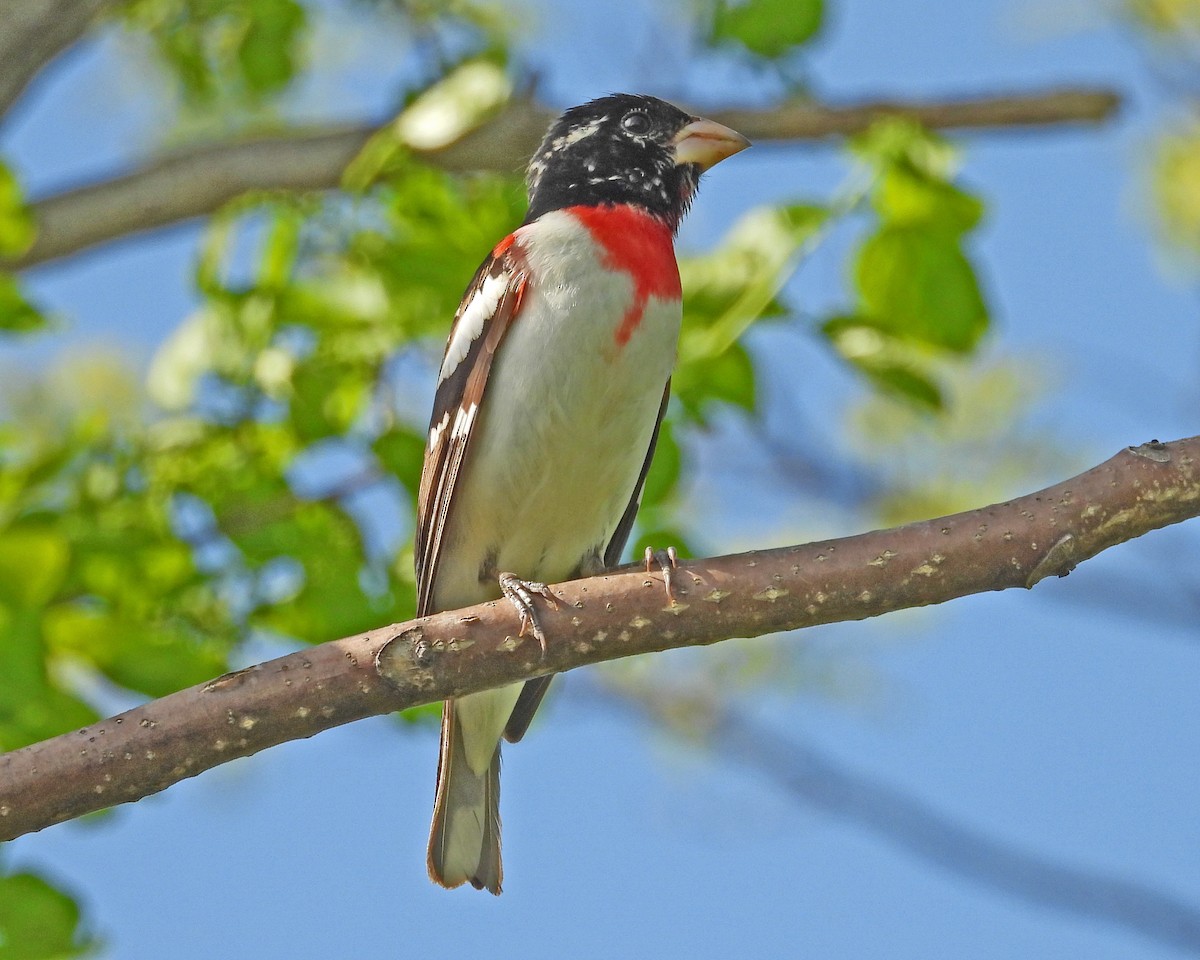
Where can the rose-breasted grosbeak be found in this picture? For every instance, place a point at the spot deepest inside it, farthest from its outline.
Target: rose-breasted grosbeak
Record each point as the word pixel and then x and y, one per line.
pixel 550 392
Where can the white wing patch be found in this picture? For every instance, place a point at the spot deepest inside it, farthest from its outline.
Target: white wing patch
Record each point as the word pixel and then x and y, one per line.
pixel 464 421
pixel 436 433
pixel 470 324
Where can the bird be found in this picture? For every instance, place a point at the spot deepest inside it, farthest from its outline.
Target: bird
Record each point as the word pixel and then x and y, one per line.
pixel 550 393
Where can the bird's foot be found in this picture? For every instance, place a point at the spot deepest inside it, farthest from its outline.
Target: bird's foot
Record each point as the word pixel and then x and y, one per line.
pixel 520 594
pixel 668 563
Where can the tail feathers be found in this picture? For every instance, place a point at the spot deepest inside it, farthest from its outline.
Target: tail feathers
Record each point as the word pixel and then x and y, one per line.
pixel 464 841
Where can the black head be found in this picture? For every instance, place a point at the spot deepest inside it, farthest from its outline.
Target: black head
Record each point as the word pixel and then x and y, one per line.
pixel 626 149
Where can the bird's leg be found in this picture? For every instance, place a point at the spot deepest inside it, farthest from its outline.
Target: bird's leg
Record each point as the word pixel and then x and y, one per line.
pixel 520 593
pixel 668 563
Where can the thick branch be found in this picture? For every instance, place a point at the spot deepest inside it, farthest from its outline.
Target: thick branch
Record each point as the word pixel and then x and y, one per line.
pixel 1013 544
pixel 197 181
pixel 34 33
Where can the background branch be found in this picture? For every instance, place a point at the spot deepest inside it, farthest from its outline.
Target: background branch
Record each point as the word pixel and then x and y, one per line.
pixel 1013 544
pixel 818 780
pixel 34 33
pixel 197 181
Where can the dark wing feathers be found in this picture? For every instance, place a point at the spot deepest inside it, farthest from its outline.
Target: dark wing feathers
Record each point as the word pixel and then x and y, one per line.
pixel 616 546
pixel 455 411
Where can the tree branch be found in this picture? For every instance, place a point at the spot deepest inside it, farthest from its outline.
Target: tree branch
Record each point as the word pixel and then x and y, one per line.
pixel 916 826
pixel 197 181
pixel 35 32
pixel 1013 544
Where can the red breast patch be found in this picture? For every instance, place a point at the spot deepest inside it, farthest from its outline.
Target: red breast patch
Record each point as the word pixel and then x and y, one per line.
pixel 640 245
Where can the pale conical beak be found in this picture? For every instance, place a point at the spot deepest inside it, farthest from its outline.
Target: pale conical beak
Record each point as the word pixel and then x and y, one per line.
pixel 706 143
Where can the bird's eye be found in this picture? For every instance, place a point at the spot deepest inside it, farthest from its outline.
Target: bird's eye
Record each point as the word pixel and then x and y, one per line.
pixel 636 123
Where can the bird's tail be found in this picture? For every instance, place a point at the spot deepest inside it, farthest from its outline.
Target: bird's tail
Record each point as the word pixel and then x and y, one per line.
pixel 464 841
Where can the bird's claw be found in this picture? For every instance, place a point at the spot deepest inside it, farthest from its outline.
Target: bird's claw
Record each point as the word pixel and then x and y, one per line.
pixel 668 563
pixel 520 594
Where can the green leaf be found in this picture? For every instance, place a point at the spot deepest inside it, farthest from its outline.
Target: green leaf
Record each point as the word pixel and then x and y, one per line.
pixel 37 922
pixel 17 315
pixel 267 51
pixel 905 383
pixel 425 715
pixel 30 708
pixel 727 377
pixel 730 288
pixel 890 363
pixel 224 51
pixel 904 197
pixel 767 28
pixel 899 141
pixel 33 565
pixel 332 602
pixel 154 659
pixel 402 453
pixel 280 248
pixel 916 282
pixel 16 225
pixel 664 468
pixel 328 397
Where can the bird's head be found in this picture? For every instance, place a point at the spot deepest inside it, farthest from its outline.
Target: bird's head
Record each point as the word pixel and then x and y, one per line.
pixel 626 149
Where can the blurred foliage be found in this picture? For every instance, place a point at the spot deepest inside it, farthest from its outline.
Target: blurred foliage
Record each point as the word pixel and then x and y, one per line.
pixel 17 314
pixel 38 922
pixel 1166 17
pixel 917 297
pixel 1170 30
pixel 980 450
pixel 766 28
pixel 240 50
pixel 1175 180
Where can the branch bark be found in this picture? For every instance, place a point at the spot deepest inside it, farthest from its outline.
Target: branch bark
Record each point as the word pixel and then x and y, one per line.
pixel 35 32
pixel 197 181
pixel 1013 544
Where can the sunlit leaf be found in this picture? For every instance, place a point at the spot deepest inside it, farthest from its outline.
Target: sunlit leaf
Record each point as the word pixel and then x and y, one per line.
pixel 904 197
pixel 767 28
pixel 916 282
pixel 898 141
pixel 33 563
pixel 459 102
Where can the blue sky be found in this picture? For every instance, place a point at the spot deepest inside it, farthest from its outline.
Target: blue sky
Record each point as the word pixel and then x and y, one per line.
pixel 1064 721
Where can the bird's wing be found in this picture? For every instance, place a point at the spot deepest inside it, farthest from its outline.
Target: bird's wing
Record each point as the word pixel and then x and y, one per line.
pixel 616 546
pixel 535 689
pixel 489 307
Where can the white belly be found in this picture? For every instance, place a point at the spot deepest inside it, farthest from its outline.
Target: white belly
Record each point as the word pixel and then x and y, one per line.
pixel 562 434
